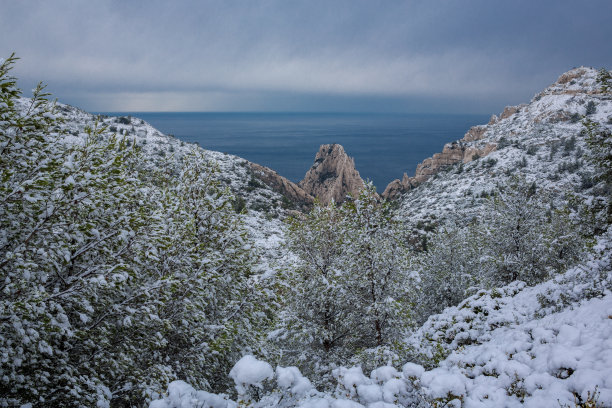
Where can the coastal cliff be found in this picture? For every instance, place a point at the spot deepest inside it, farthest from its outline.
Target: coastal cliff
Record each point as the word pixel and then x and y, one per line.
pixel 560 105
pixel 332 176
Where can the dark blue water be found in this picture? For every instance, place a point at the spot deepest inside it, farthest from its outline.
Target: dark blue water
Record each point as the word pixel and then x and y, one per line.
pixel 384 146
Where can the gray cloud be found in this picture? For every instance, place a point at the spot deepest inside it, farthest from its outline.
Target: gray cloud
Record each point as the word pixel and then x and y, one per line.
pixel 447 56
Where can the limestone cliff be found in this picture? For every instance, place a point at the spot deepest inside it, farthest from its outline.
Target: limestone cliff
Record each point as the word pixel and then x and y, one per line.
pixel 557 104
pixel 332 176
pixel 283 186
pixel 452 153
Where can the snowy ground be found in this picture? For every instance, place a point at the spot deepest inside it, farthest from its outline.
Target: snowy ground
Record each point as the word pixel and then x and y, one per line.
pixel 544 346
pixel 542 142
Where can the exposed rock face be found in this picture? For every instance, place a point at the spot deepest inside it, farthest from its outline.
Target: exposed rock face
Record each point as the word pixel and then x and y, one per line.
pixel 332 176
pixel 451 153
pixel 475 133
pixel 509 111
pixel 557 103
pixel 282 185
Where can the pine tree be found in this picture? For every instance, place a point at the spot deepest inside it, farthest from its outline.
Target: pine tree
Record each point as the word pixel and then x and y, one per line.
pixel 599 141
pixel 350 289
pixel 524 240
pixel 319 319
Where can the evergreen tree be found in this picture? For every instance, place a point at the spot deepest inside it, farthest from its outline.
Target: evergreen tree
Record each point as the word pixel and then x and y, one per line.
pixel 599 141
pixel 349 290
pixel 319 319
pixel 523 238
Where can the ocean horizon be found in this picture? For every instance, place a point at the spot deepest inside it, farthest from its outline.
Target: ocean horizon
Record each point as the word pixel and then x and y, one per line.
pixel 383 145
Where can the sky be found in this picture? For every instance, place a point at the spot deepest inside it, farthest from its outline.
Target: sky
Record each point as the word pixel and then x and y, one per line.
pixel 468 56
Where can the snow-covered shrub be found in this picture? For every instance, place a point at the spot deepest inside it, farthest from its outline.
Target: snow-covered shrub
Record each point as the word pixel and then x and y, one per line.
pixel 117 278
pixel 350 289
pixel 524 239
pixel 506 347
pixel 450 270
pixel 385 387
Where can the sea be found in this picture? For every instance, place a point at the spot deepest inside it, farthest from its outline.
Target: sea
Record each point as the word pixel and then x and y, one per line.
pixel 384 146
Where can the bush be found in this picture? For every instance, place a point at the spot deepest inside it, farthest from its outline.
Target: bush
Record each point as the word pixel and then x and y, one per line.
pixel 116 278
pixel 239 204
pixel 490 162
pixel 532 150
pixel 123 120
pixel 591 108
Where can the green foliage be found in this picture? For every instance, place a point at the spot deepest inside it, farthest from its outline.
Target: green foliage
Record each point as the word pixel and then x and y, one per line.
pixel 604 79
pixel 349 290
pixel 591 108
pixel 599 141
pixel 239 204
pixel 449 268
pixel 524 240
pixel 575 118
pixel 116 278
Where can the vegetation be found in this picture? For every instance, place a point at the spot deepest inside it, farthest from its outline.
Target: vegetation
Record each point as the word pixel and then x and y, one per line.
pixel 116 279
pixel 350 289
pixel 120 276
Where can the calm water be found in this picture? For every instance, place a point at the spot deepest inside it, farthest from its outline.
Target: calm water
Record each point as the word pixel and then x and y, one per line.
pixel 383 146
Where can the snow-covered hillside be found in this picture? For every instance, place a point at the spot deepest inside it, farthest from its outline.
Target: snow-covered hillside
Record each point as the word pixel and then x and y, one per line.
pixel 546 345
pixel 264 207
pixel 542 346
pixel 541 142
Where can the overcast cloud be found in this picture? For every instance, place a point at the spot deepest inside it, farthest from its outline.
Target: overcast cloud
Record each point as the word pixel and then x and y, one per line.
pixel 426 56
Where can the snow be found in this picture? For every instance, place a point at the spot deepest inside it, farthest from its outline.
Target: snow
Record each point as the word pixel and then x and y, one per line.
pixel 250 371
pixel 291 378
pixel 412 370
pixel 529 135
pixel 440 383
pixel 183 395
pixel 516 346
pixel 382 374
pixel 534 346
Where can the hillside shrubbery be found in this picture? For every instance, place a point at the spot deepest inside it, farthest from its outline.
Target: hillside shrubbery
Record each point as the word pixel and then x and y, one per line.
pixel 116 278
pixel 119 276
pixel 350 290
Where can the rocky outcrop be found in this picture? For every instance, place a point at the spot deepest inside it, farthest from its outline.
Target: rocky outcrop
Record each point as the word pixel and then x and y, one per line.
pixel 452 153
pixel 475 133
pixel 283 186
pixel 509 111
pixel 332 176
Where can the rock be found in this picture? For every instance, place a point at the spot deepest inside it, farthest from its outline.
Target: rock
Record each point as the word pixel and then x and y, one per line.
pixel 475 133
pixel 571 75
pixel 557 103
pixel 332 176
pixel 452 153
pixel 509 111
pixel 282 185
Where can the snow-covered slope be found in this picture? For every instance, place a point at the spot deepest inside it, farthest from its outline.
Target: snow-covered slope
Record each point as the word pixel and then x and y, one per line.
pixel 264 207
pixel 541 141
pixel 547 345
pixel 530 345
pixel 544 346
